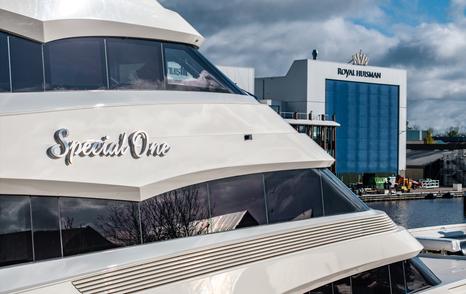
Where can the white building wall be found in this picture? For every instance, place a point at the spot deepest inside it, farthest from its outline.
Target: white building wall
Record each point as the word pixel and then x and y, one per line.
pixel 242 76
pixel 309 95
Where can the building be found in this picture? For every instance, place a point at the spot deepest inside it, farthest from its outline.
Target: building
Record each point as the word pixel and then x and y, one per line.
pixel 368 102
pixel 242 76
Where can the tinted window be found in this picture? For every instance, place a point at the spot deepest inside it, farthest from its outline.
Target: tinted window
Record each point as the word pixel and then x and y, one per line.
pixel 26 65
pixel 326 289
pixel 186 70
pixel 338 198
pixel 96 224
pixel 75 64
pixel 293 195
pixel 372 282
pixel 134 64
pixel 342 286
pixel 179 213
pixel 4 64
pixel 237 202
pixel 397 278
pixel 414 278
pixel 45 227
pixel 15 230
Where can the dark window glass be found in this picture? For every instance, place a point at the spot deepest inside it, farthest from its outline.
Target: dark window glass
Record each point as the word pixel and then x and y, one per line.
pixel 414 279
pixel 134 64
pixel 338 198
pixel 327 289
pixel 26 65
pixel 342 286
pixel 175 214
pixel 96 224
pixel 293 195
pixel 75 64
pixel 374 281
pixel 4 64
pixel 187 70
pixel 237 202
pixel 397 278
pixel 46 228
pixel 15 230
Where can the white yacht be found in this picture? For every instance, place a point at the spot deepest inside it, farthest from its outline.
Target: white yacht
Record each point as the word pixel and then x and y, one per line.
pixel 130 164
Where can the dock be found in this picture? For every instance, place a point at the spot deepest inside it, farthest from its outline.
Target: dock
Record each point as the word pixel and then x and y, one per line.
pixel 415 195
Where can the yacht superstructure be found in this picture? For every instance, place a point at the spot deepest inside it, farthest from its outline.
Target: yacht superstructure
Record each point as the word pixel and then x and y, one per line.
pixel 129 163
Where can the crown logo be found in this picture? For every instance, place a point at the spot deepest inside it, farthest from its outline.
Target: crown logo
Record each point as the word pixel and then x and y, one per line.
pixel 359 58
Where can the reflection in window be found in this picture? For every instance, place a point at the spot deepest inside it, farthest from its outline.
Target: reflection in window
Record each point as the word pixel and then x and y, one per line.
pixel 414 279
pixel 46 227
pixel 4 64
pixel 75 64
pixel 97 224
pixel 134 64
pixel 293 195
pixel 237 202
pixel 15 230
pixel 175 214
pixel 187 70
pixel 376 281
pixel 397 278
pixel 338 199
pixel 26 65
pixel 342 286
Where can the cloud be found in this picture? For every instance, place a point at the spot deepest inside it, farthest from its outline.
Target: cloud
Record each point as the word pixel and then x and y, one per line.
pixel 269 35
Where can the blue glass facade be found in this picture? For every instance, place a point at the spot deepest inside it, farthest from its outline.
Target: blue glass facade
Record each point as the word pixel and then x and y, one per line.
pixel 367 140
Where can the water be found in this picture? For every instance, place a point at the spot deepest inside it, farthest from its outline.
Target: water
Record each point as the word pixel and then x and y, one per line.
pixel 423 213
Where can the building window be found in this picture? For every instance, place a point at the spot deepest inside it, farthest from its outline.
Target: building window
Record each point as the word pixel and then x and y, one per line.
pixel 15 230
pixel 293 195
pixel 26 65
pixel 186 70
pixel 176 214
pixel 4 64
pixel 237 203
pixel 96 224
pixel 134 64
pixel 368 135
pixel 46 227
pixel 75 64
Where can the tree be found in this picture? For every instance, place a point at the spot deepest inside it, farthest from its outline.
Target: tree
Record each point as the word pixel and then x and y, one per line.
pixel 453 132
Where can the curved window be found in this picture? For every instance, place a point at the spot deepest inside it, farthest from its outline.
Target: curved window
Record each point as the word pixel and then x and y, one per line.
pixel 49 227
pixel 4 64
pixel 187 70
pixel 135 64
pixel 96 224
pixel 15 230
pixel 179 213
pixel 93 63
pixel 75 64
pixel 26 65
pixel 406 276
pixel 293 195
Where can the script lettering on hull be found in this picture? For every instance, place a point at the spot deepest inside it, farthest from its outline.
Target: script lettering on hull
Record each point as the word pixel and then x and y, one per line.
pixel 137 143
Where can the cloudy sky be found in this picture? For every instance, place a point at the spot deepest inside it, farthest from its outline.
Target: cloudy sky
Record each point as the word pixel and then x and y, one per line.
pixel 425 37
